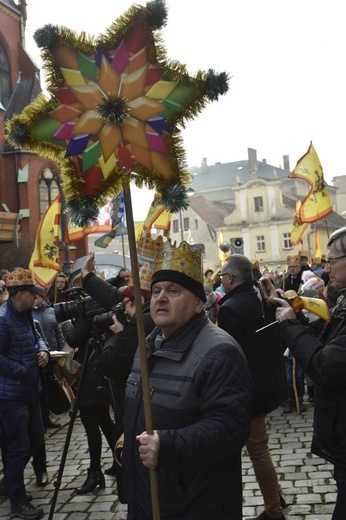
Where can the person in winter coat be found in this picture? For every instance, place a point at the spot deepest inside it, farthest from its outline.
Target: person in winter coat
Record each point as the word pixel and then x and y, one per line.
pixel 242 313
pixel 321 350
pixel 116 360
pixel 94 401
pixel 22 353
pixel 54 338
pixel 201 394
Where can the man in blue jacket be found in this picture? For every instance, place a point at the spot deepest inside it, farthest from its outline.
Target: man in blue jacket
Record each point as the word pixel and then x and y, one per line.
pixel 242 314
pixel 22 353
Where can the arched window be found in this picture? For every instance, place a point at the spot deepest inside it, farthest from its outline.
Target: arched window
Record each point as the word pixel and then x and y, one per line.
pixel 48 188
pixel 5 78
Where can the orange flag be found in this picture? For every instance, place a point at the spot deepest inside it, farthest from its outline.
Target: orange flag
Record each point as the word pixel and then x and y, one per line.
pixel 317 204
pixel 317 251
pixel 298 227
pixel 45 259
pixel 221 255
pixel 314 305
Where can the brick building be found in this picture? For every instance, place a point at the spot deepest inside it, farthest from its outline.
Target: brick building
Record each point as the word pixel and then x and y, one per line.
pixel 28 183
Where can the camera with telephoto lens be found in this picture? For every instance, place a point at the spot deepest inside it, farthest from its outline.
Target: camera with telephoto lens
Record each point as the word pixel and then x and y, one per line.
pixel 105 319
pixel 80 306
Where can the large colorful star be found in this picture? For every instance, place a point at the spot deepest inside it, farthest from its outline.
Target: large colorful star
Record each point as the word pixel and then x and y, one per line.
pixel 115 107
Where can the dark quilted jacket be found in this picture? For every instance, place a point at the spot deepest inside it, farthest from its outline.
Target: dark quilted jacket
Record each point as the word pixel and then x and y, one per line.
pixel 241 314
pixel 201 403
pixel 19 370
pixel 324 360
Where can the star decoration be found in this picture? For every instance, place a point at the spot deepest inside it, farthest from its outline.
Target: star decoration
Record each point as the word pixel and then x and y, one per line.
pixel 115 108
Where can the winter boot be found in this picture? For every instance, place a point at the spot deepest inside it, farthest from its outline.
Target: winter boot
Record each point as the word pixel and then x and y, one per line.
pixel 94 479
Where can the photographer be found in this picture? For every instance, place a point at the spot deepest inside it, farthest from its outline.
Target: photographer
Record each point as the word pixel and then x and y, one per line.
pixel 118 351
pixel 94 400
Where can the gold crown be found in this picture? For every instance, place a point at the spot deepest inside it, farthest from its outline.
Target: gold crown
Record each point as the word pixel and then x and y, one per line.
pixel 20 277
pixel 145 274
pixel 294 258
pixel 148 248
pixel 184 259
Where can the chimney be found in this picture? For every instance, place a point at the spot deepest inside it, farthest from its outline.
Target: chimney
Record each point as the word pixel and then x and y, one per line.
pixel 204 165
pixel 252 160
pixel 286 162
pixel 264 161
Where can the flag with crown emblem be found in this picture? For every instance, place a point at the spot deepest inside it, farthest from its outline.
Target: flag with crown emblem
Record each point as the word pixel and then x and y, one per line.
pixel 317 204
pixel 45 259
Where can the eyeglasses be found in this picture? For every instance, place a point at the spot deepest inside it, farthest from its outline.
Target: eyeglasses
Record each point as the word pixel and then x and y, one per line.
pixel 293 266
pixel 331 261
pixel 223 274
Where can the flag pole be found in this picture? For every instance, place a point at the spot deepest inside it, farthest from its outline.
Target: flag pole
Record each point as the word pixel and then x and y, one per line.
pixel 141 340
pixel 327 229
pixel 123 250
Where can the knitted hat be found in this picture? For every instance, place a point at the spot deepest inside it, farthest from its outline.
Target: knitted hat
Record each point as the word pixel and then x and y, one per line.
pixel 168 275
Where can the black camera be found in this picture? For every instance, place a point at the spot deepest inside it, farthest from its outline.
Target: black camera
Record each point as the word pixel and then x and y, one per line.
pixel 86 307
pixel 105 319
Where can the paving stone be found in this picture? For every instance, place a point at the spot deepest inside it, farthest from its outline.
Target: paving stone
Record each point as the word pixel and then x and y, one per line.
pixel 306 480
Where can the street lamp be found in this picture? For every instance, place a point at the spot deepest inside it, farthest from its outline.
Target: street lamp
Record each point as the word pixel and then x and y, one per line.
pixel 189 192
pixel 48 176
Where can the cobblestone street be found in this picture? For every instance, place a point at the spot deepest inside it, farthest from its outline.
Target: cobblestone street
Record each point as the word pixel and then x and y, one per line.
pixel 306 481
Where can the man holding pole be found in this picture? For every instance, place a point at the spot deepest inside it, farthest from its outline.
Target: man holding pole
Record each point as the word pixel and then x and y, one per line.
pixel 201 395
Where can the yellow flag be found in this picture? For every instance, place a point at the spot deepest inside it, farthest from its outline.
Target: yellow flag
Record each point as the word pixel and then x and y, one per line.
pixel 317 204
pixel 155 210
pixel 314 305
pixel 44 276
pixel 45 259
pixel 163 221
pixel 298 227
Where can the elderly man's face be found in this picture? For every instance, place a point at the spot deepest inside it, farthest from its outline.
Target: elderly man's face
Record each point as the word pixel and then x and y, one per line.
pixel 336 269
pixel 171 306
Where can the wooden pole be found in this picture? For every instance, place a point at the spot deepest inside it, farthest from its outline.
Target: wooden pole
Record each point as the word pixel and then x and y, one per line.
pixel 123 250
pixel 141 341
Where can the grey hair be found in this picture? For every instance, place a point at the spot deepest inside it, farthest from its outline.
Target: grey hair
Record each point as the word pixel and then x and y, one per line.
pixel 240 267
pixel 338 238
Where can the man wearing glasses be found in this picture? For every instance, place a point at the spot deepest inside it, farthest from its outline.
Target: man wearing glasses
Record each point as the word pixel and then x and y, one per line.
pixel 321 351
pixel 242 314
pixel 293 279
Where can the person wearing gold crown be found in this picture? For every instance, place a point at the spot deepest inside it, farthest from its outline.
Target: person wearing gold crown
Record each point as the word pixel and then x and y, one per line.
pixel 201 394
pixel 22 353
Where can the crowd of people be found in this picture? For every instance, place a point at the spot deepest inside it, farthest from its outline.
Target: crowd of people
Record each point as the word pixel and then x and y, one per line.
pixel 216 367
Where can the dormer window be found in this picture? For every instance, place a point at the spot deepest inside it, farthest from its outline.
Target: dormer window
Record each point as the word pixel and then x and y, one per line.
pixel 258 204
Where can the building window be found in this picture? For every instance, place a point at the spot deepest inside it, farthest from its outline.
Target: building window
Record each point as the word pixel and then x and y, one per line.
pixel 186 224
pixel 5 78
pixel 287 240
pixel 175 226
pixel 48 189
pixel 258 202
pixel 196 224
pixel 260 244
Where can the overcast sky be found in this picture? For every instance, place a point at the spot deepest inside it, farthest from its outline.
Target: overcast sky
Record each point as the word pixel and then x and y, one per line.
pixel 286 60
